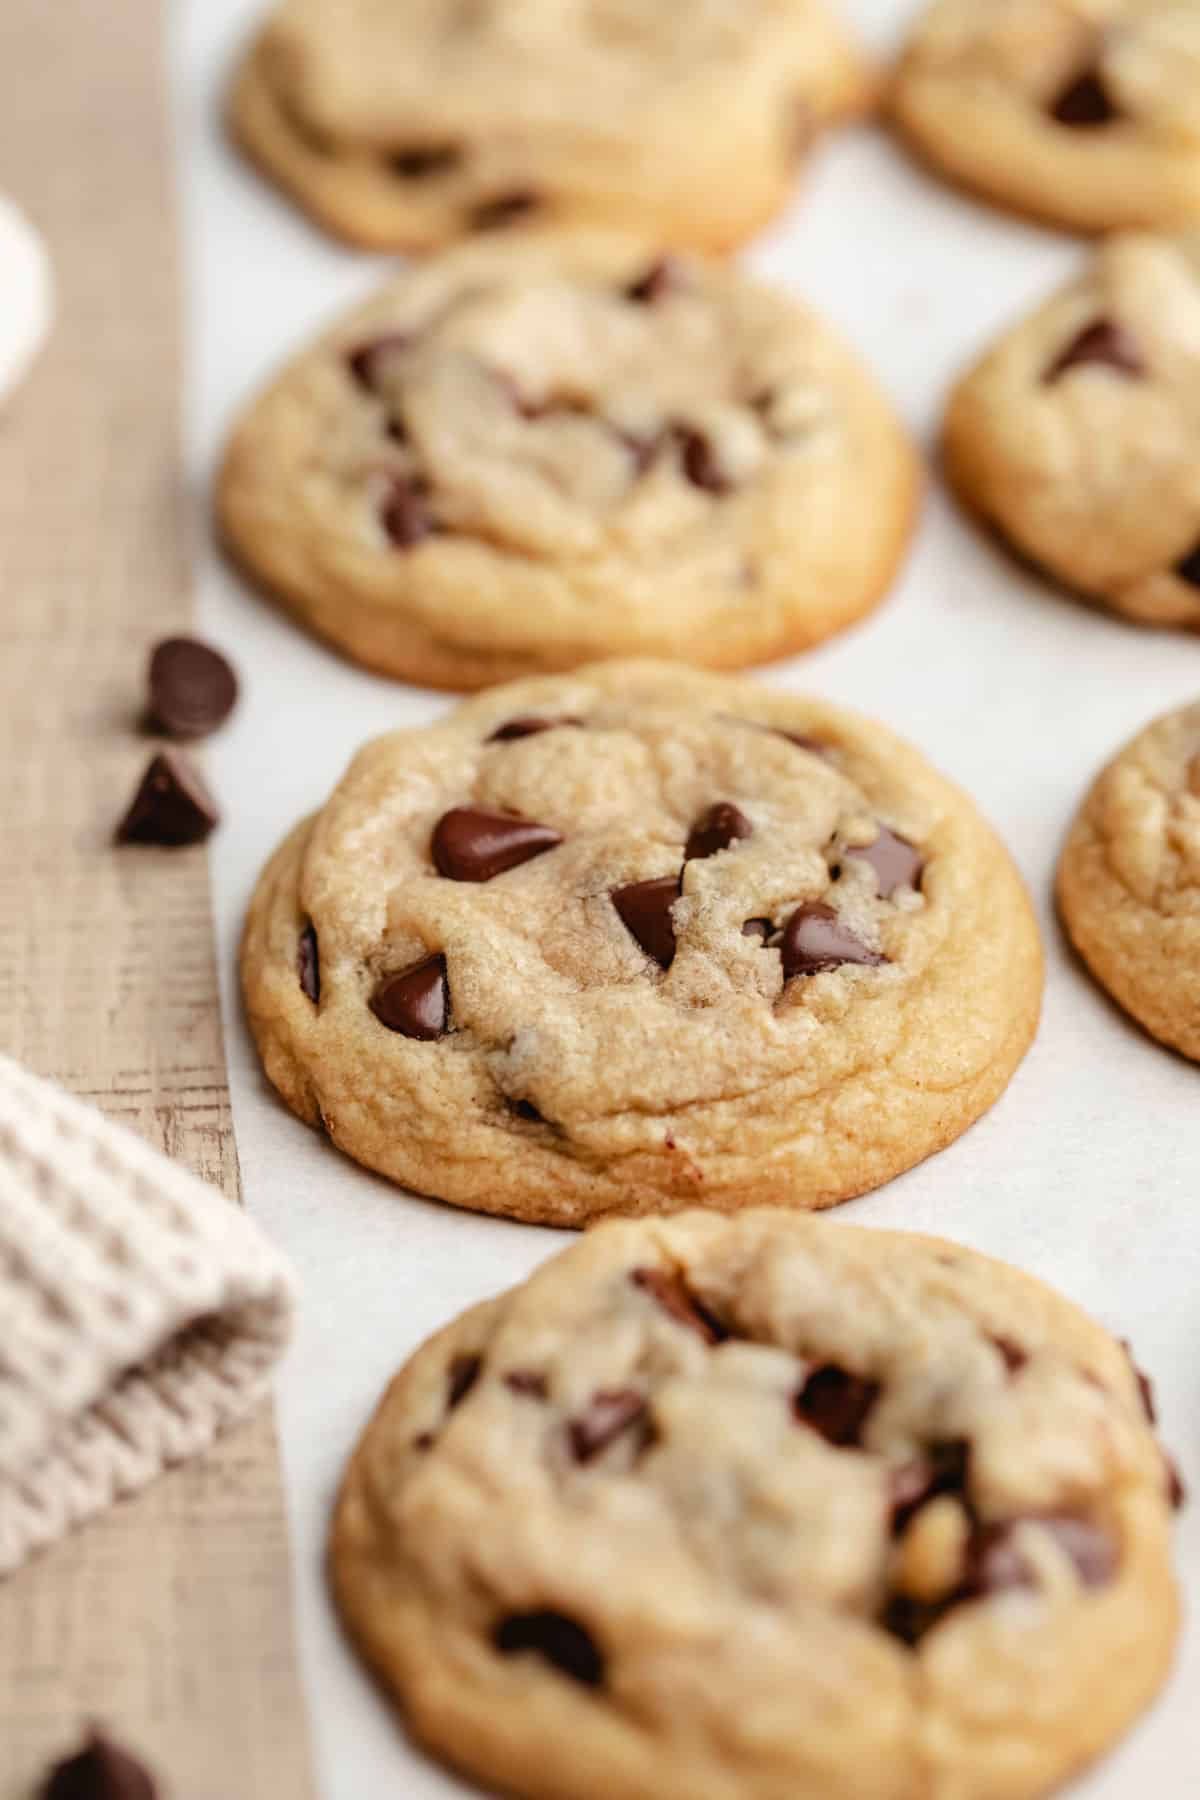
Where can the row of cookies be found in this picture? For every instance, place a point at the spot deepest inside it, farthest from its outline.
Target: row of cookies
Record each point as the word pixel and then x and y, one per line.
pixel 409 127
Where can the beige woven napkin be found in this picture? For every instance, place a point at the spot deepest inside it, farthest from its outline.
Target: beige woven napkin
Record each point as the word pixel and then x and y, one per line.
pixel 140 1313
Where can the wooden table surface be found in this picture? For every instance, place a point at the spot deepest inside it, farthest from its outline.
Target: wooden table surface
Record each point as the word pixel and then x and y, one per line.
pixel 171 1618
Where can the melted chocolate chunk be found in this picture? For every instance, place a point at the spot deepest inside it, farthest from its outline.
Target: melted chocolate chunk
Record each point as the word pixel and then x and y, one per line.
pixel 1085 102
pixel 814 940
pixel 1188 567
pixel 527 727
pixel 416 1002
pixel 895 862
pixel 996 1561
pixel 462 1375
pixel 308 964
pixel 363 362
pixel 836 1404
pixel 1176 1490
pixel 565 1645
pixel 472 844
pixel 172 806
pixel 609 1414
pixel 699 461
pixel 659 280
pixel 758 928
pixel 672 1293
pixel 941 1468
pixel 505 209
pixel 100 1771
pixel 192 688
pixel 1014 1357
pixel 715 830
pixel 405 513
pixel 527 1382
pixel 417 162
pixel 644 908
pixel 1103 342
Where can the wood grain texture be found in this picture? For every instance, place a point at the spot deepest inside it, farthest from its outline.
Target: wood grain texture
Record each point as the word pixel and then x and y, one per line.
pixel 171 1618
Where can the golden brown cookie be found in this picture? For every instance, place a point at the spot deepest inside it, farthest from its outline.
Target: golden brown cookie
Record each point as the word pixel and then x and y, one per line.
pixel 763 1507
pixel 638 938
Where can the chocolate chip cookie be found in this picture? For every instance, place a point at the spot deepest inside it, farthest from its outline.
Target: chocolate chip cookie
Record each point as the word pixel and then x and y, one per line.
pixel 1078 434
pixel 1084 113
pixel 516 459
pixel 639 938
pixel 763 1507
pixel 409 127
pixel 1129 879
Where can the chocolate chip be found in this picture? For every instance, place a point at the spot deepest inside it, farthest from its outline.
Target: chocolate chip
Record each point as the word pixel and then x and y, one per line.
pixel 941 1468
pixel 1014 1357
pixel 424 1440
pixel 527 727
pixel 362 363
pixel 722 825
pixel 1145 1385
pixel 525 1109
pixel 895 862
pixel 608 1415
pixel 1188 568
pixel 814 939
pixel 1102 342
pixel 416 162
pixel 308 964
pixel 527 1382
pixel 1176 1490
pixel 668 1287
pixel 565 1645
pixel 644 908
pixel 909 1619
pixel 100 1771
pixel 700 463
pixel 758 928
pixel 192 688
pixel 172 806
pixel 836 1404
pixel 505 209
pixel 405 513
pixel 996 1562
pixel 472 844
pixel 462 1375
pixel 1085 102
pixel 660 279
pixel 813 745
pixel 416 1002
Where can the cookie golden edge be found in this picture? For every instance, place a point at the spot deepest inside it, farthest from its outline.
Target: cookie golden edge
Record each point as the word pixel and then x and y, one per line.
pixel 999 951
pixel 537 1755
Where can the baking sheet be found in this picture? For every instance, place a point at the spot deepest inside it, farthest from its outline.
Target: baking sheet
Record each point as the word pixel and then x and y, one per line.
pixel 1085 1173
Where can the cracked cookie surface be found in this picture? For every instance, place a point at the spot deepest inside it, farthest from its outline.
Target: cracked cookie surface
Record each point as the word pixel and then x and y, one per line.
pixel 637 938
pixel 406 127
pixel 1084 113
pixel 514 460
pixel 1078 434
pixel 764 1507
pixel 1129 879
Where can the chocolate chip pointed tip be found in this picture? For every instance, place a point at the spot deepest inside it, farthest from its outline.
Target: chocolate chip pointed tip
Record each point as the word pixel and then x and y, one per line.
pixel 415 1003
pixel 1085 102
pixel 191 688
pixel 172 807
pixel 102 1770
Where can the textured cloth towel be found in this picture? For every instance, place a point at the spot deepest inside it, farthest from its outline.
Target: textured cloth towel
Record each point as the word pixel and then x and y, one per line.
pixel 140 1313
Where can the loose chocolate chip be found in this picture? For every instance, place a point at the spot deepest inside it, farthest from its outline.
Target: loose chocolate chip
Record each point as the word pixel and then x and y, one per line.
pixel 836 1404
pixel 660 279
pixel 758 928
pixel 363 363
pixel 1085 102
pixel 416 1002
pixel 527 727
pixel 172 806
pixel 608 1415
pixel 1188 568
pixel 505 209
pixel 1014 1357
pixel 1102 342
pixel 941 1468
pixel 405 513
pixel 527 1382
pixel 472 844
pixel 996 1562
pixel 100 1771
pixel 668 1287
pixel 563 1644
pixel 895 862
pixel 463 1373
pixel 192 688
pixel 814 939
pixel 722 825
pixel 308 964
pixel 1145 1385
pixel 416 162
pixel 700 463
pixel 644 908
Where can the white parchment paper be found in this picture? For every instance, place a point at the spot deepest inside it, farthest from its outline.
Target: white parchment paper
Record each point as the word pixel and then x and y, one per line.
pixel 1085 1173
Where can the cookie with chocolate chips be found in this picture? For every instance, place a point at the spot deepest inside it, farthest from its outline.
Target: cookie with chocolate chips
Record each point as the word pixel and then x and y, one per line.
pixel 638 938
pixel 408 127
pixel 1129 879
pixel 1082 113
pixel 769 1507
pixel 1078 434
pixel 516 459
